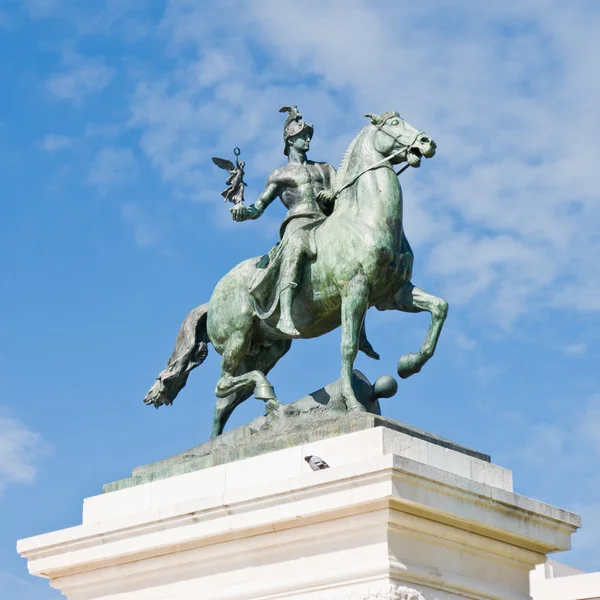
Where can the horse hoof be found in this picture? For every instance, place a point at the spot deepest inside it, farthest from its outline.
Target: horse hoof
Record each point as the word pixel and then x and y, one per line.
pixel 264 392
pixel 408 365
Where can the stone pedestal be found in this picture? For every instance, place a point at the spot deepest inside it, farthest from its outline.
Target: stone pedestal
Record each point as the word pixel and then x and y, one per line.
pixel 394 517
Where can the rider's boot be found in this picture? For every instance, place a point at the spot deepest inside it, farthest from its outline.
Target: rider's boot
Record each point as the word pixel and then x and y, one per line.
pixel 285 324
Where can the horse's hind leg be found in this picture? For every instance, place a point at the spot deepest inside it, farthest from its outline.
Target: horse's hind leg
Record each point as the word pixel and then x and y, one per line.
pixel 249 377
pixel 413 299
pixel 224 407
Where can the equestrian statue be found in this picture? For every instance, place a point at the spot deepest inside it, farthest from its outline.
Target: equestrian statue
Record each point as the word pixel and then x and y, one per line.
pixel 342 250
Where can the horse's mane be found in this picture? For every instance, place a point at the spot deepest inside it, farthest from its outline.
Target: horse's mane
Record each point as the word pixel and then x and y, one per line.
pixel 344 163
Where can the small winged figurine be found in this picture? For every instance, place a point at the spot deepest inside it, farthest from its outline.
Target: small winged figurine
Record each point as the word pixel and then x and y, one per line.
pixel 235 192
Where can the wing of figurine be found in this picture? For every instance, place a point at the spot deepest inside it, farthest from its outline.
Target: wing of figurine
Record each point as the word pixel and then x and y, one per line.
pixel 224 163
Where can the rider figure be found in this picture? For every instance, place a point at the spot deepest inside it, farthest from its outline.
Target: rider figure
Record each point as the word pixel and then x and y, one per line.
pixel 297 184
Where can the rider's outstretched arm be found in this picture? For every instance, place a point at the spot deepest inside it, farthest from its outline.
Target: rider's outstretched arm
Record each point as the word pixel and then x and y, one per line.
pixel 269 194
pixel 253 211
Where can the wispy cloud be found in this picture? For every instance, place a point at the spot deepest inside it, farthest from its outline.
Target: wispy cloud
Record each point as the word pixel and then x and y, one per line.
pixel 40 9
pixel 21 450
pixel 112 166
pixel 588 424
pixel 126 17
pixel 463 341
pixel 145 230
pixel 568 451
pixel 576 348
pixel 129 19
pixel 54 142
pixel 569 444
pixel 80 78
pixel 586 539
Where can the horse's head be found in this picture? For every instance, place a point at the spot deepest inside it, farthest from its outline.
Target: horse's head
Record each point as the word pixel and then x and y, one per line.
pixel 393 134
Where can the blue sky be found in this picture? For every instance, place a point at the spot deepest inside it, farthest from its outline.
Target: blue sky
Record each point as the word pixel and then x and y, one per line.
pixel 112 227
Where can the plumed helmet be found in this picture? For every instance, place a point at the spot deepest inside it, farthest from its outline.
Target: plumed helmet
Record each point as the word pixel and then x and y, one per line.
pixel 293 125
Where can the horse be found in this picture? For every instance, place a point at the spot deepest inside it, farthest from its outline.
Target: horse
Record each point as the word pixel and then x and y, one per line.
pixel 363 259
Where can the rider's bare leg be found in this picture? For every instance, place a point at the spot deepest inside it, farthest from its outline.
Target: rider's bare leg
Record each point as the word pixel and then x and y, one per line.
pixel 290 278
pixel 286 299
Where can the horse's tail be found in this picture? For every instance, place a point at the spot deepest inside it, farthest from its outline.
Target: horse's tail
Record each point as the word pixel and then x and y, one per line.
pixel 190 351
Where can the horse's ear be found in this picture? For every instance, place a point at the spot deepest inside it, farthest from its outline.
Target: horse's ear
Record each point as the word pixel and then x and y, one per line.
pixel 375 119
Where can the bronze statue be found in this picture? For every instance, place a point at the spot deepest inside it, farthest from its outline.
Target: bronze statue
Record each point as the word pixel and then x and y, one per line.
pixel 342 251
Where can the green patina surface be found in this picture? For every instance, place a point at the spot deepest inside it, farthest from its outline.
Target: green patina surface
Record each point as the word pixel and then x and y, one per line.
pixel 342 250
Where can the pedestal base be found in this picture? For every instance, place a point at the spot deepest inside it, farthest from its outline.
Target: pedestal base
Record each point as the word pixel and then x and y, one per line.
pixel 394 517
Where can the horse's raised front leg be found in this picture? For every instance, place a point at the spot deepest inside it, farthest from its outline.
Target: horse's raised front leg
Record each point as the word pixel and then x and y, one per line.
pixel 413 299
pixel 355 301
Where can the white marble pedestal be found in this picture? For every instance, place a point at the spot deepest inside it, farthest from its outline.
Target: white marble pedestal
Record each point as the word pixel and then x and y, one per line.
pixel 395 517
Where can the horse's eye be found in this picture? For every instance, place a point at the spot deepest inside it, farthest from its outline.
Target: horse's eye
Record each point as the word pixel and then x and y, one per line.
pixel 395 122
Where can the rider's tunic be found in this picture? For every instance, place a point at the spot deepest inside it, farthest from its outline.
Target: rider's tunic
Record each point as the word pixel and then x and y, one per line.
pixel 304 214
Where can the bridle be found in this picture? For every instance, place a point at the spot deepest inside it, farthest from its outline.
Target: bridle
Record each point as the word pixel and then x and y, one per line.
pixel 399 171
pixel 381 162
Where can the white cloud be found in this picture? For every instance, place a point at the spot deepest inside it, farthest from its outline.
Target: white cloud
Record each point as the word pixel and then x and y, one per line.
pixel 586 539
pixel 53 142
pixel 575 348
pixel 39 9
pixel 564 456
pixel 20 449
pixel 464 342
pixel 544 445
pixel 112 166
pixel 81 77
pixel 588 426
pixel 129 19
pixel 485 374
pixel 126 17
pixel 571 443
pixel 146 232
pixel 504 217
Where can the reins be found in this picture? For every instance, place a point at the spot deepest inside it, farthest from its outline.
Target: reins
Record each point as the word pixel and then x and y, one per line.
pixel 378 164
